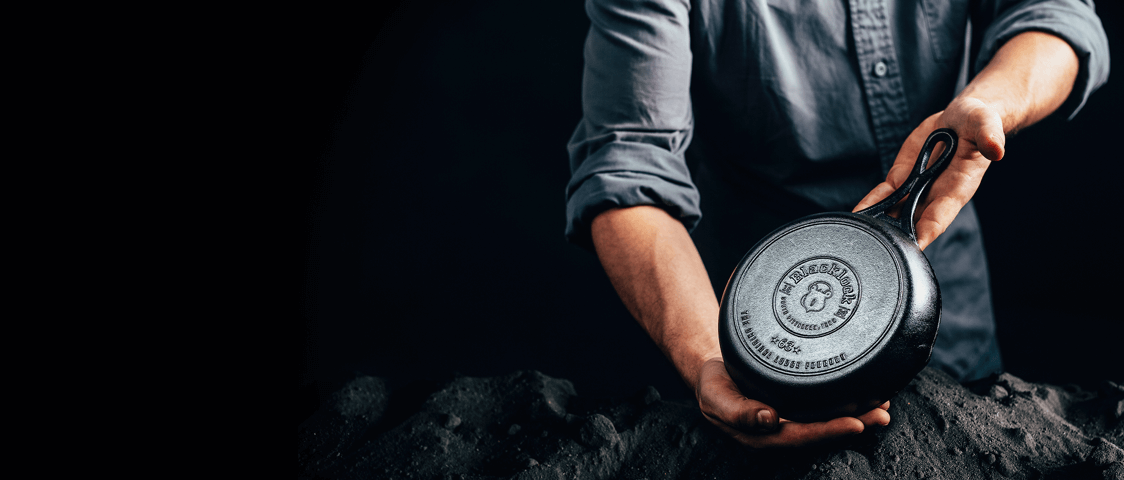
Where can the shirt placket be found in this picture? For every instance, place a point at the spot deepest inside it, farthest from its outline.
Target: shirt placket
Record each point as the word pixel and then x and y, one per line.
pixel 881 76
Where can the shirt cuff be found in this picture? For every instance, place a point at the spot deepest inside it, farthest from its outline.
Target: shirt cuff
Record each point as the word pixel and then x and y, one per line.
pixel 1072 21
pixel 627 175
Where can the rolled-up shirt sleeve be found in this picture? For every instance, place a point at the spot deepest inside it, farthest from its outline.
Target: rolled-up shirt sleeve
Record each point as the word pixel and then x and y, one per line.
pixel 1074 21
pixel 629 147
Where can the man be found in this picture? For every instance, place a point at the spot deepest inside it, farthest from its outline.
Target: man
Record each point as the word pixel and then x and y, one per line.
pixel 791 108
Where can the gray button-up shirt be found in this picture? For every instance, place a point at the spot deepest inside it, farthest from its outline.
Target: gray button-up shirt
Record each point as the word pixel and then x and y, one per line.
pixel 790 107
pixel 814 97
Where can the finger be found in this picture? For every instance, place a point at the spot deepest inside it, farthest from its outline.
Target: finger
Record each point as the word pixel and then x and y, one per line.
pixel 949 193
pixel 936 214
pixel 877 416
pixel 885 406
pixel 903 163
pixel 881 191
pixel 722 402
pixel 927 232
pixel 802 434
pixel 794 434
pixel 894 180
pixel 740 413
pixel 755 440
pixel 723 405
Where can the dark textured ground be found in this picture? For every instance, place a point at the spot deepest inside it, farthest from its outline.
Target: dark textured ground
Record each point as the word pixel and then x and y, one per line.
pixel 528 425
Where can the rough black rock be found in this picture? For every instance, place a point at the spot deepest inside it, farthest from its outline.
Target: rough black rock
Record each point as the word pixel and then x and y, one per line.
pixel 530 426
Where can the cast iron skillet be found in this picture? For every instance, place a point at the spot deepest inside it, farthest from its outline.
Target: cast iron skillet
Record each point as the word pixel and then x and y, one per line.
pixel 834 313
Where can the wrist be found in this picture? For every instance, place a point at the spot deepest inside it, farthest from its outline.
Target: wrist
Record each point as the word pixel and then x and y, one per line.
pixel 689 362
pixel 1029 77
pixel 1012 112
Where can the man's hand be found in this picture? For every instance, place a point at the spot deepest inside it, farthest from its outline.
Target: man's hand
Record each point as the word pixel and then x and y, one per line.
pixel 980 129
pixel 1026 80
pixel 755 424
pixel 655 268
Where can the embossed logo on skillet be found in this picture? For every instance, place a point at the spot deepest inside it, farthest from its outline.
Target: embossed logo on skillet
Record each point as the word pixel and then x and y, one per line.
pixel 816 297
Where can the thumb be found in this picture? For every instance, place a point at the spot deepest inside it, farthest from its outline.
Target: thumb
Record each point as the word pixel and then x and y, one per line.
pixel 722 402
pixel 990 138
pixel 757 416
pixel 744 414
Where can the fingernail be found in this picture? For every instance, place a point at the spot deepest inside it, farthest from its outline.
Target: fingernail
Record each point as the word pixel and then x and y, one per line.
pixel 765 419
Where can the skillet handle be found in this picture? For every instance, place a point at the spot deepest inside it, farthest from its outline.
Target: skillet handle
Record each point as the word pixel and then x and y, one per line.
pixel 918 181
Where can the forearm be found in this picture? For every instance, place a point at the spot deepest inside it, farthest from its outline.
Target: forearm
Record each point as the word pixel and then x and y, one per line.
pixel 1027 79
pixel 655 268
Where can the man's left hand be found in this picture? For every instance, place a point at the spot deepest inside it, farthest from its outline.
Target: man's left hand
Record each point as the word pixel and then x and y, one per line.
pixel 980 129
pixel 1027 79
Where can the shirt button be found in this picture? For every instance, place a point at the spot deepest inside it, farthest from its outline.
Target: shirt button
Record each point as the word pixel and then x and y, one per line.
pixel 880 69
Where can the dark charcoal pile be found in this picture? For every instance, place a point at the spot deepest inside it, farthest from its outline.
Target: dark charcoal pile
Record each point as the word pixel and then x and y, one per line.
pixel 528 425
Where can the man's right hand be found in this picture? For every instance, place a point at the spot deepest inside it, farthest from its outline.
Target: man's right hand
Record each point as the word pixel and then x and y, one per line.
pixel 755 424
pixel 653 265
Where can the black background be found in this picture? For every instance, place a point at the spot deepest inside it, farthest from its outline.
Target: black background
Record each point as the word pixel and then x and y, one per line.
pixel 430 166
